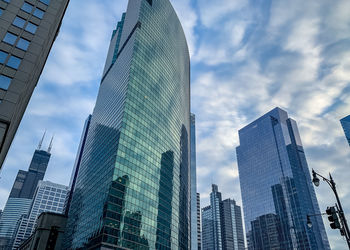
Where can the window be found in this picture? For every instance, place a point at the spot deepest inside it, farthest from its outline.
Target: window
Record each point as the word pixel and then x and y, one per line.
pixel 3 130
pixel 23 44
pixel 7 1
pixel 19 22
pixel 38 13
pixel 10 38
pixel 14 62
pixel 27 7
pixel 5 82
pixel 47 2
pixel 1 11
pixel 3 56
pixel 31 27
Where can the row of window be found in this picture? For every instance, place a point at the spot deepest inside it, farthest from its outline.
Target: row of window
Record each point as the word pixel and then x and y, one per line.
pixel 13 61
pixel 21 23
pixel 27 7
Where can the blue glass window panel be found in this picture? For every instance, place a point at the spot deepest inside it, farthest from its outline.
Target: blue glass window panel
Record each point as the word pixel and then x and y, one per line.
pixel 19 22
pixel 23 44
pixel 47 2
pixel 10 38
pixel 31 27
pixel 3 56
pixel 38 13
pixel 27 7
pixel 7 1
pixel 1 11
pixel 14 62
pixel 4 82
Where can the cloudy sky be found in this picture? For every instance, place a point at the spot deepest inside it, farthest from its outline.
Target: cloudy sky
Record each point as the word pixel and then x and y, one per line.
pixel 247 58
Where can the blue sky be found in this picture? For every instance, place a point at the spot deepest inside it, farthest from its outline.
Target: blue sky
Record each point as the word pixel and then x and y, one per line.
pixel 247 58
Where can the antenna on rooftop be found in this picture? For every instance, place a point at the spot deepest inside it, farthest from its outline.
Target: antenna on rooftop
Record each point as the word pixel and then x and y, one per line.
pixel 50 146
pixel 41 141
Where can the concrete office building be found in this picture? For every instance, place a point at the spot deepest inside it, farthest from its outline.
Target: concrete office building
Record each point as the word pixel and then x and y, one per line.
pixel 48 233
pixel 49 197
pixel 276 186
pixel 27 31
pixel 222 227
pixel 133 186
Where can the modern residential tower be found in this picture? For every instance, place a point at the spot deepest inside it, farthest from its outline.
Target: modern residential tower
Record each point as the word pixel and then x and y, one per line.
pixel 222 227
pixel 276 186
pixel 345 122
pixel 27 31
pixel 133 185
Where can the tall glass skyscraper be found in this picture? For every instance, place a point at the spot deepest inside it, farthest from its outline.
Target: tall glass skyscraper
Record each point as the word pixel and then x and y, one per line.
pixel 345 122
pixel 28 30
pixel 195 207
pixel 276 186
pixel 222 227
pixel 22 192
pixel 133 185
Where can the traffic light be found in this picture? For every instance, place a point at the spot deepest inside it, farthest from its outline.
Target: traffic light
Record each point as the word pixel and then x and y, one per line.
pixel 333 217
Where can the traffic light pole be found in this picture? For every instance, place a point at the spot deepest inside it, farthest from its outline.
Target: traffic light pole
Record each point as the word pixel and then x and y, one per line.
pixel 332 184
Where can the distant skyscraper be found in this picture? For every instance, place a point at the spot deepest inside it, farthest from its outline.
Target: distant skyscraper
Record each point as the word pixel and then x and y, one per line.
pixel 133 185
pixel 222 227
pixel 195 234
pixel 276 186
pixel 28 30
pixel 199 232
pixel 345 122
pixel 49 197
pixel 77 163
pixel 26 181
pixel 22 193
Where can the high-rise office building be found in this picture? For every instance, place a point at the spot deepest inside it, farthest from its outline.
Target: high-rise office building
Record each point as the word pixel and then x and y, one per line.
pixel 199 231
pixel 22 193
pixel 345 122
pixel 276 186
pixel 195 234
pixel 49 197
pixel 77 163
pixel 133 186
pixel 28 30
pixel 26 181
pixel 222 227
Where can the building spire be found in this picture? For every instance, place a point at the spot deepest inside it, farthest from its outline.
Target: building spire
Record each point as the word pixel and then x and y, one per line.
pixel 50 146
pixel 41 141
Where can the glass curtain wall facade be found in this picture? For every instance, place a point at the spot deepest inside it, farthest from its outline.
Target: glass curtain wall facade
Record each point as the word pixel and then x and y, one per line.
pixel 28 30
pixel 276 186
pixel 222 227
pixel 49 197
pixel 194 205
pixel 345 122
pixel 133 186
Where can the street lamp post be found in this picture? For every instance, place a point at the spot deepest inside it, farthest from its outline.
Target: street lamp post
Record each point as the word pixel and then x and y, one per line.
pixel 345 228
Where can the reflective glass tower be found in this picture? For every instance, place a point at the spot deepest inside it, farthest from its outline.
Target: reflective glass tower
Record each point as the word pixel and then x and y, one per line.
pixel 222 227
pixel 276 186
pixel 195 237
pixel 345 122
pixel 133 185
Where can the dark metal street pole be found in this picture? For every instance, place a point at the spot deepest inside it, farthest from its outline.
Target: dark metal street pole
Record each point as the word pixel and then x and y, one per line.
pixel 332 184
